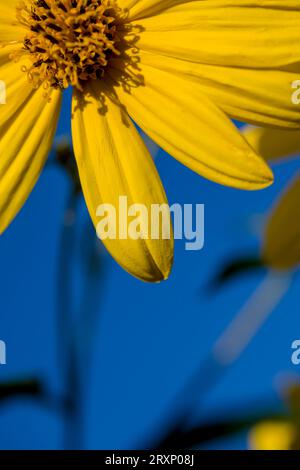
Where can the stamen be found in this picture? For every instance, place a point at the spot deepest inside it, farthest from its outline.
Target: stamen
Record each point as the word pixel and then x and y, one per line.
pixel 68 41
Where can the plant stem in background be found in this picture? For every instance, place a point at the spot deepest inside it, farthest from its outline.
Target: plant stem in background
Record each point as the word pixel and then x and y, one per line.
pixel 226 350
pixel 66 353
pixel 238 335
pixel 235 339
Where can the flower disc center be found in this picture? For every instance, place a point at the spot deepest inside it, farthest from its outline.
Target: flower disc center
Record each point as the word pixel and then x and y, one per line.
pixel 70 41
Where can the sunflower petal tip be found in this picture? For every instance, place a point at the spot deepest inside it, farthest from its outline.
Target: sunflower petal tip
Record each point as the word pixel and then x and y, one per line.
pixel 165 276
pixel 161 276
pixel 161 273
pixel 269 177
pixel 264 174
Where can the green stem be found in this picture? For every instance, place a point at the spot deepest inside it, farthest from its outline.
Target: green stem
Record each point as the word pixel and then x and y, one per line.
pixel 66 347
pixel 228 348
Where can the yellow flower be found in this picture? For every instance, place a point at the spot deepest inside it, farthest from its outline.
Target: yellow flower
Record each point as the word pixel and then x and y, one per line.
pixel 272 435
pixel 281 245
pixel 280 434
pixel 273 145
pixel 178 68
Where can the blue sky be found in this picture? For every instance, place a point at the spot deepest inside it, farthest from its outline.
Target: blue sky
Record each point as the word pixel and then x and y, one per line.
pixel 148 339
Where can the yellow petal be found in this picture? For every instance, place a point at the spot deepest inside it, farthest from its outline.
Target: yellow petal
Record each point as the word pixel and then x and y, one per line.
pixel 281 248
pixel 255 34
pixel 10 29
pixel 261 97
pixel 176 115
pixel 142 8
pixel 26 135
pixel 272 435
pixel 17 88
pixel 273 144
pixel 113 161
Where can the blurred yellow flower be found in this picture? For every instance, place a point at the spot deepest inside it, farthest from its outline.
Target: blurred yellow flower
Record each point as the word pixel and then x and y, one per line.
pixel 272 435
pixel 178 68
pixel 281 244
pixel 273 144
pixel 279 434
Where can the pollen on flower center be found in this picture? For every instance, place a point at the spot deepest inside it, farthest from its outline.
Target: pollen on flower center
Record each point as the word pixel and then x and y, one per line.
pixel 69 41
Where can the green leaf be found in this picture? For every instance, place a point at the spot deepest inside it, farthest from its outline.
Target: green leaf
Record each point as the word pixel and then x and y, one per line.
pixel 197 436
pixel 27 387
pixel 236 267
